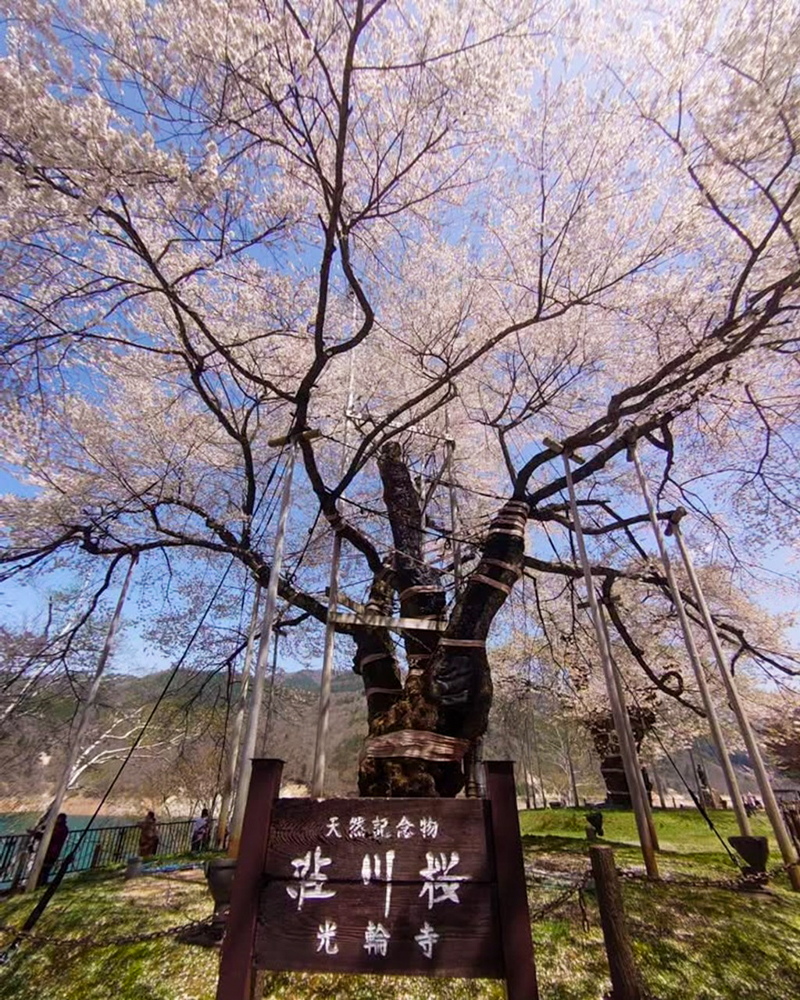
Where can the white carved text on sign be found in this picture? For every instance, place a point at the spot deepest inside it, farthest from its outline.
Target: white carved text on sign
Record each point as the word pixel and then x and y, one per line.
pixel 380 828
pixel 376 939
pixel 426 939
pixel 372 868
pixel 440 881
pixel 357 827
pixel 326 938
pixel 429 828
pixel 404 829
pixel 310 882
pixel 333 828
pixel 441 885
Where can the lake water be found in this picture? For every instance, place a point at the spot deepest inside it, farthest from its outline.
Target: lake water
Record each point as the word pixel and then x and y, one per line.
pixel 20 822
pixel 102 844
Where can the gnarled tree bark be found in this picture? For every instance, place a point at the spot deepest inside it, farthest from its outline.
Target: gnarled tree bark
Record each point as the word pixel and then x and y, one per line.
pixel 601 726
pixel 448 690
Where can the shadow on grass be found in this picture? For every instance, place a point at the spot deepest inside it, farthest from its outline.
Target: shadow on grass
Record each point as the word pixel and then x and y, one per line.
pixel 566 845
pixel 712 943
pixel 713 864
pixel 103 905
pixel 690 943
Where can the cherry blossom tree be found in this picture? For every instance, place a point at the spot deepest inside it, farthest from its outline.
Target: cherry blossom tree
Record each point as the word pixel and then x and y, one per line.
pixel 433 235
pixel 782 731
pixel 41 659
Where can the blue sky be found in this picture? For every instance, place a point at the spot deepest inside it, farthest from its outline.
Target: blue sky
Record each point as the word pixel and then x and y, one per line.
pixel 25 601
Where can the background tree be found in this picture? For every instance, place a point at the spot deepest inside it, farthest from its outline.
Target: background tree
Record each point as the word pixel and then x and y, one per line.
pixel 210 215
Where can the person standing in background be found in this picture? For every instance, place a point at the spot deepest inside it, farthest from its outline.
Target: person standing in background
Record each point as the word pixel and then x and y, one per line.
pixel 200 831
pixel 148 838
pixel 60 834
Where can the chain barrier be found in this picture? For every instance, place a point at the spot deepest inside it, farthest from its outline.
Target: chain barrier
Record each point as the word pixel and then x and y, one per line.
pixel 88 941
pixel 741 883
pixel 577 889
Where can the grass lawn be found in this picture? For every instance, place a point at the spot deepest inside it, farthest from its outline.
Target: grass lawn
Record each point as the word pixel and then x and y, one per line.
pixel 690 943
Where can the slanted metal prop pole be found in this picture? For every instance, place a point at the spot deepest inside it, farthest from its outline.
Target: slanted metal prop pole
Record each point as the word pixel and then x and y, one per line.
pixel 323 714
pixel 530 784
pixel 271 698
pixel 257 695
pixel 235 759
pixel 538 760
pixel 657 781
pixel 77 739
pixel 573 783
pixel 618 712
pixel 628 737
pixel 450 445
pixel 326 681
pixel 771 806
pixel 695 775
pixel 731 783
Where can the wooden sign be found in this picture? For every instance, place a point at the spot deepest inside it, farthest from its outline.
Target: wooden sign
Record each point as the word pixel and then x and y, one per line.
pixel 413 887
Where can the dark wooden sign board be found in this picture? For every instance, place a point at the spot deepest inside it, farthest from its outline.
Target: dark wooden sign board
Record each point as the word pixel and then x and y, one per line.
pixel 412 887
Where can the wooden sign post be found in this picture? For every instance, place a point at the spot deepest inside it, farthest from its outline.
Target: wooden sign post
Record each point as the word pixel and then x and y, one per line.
pixel 412 887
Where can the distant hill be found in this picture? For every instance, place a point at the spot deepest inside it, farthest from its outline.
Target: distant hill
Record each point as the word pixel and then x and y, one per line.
pixel 31 752
pixel 310 680
pixel 194 722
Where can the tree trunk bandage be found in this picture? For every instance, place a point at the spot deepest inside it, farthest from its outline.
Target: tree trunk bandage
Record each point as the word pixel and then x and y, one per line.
pixel 417 743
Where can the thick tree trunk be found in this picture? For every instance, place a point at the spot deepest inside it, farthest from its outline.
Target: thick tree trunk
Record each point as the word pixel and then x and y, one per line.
pixel 390 706
pixel 421 595
pixel 601 727
pixel 448 691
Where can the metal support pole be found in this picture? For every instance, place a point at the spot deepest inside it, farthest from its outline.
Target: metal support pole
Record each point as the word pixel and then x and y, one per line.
pixel 771 806
pixel 251 730
pixel 629 738
pixel 80 732
pixel 271 698
pixel 659 786
pixel 731 784
pixel 575 800
pixel 526 752
pixel 450 445
pixel 630 765
pixel 323 714
pixel 538 759
pixel 235 759
pixel 324 707
pixel 695 776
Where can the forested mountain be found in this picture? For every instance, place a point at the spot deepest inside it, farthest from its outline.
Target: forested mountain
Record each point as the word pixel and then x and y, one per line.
pixel 177 768
pixel 180 752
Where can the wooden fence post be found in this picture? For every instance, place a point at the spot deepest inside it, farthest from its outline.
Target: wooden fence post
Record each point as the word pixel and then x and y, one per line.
pixel 236 966
pixel 624 975
pixel 515 920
